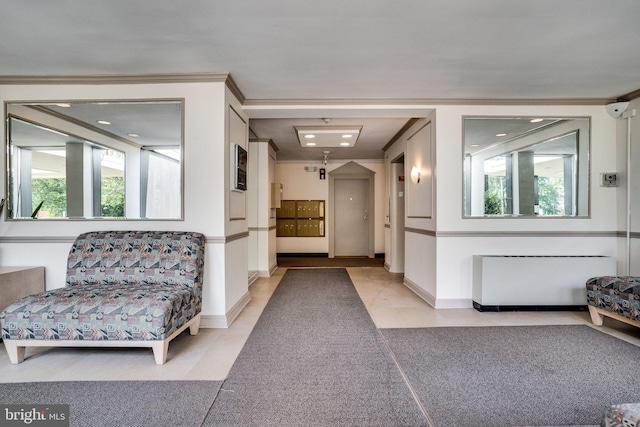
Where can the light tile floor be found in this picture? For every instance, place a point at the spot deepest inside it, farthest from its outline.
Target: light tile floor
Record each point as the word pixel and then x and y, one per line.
pixel 210 354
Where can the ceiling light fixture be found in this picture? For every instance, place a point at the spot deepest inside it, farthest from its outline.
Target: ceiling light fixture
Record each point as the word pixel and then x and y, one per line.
pixel 64 105
pixel 133 135
pixel 501 134
pixel 328 136
pixel 535 120
pixel 104 122
pixel 344 144
pixel 310 144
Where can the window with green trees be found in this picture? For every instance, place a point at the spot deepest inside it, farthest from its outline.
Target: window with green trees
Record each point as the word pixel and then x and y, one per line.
pixel 44 172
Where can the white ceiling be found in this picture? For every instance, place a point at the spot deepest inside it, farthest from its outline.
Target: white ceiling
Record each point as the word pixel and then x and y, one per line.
pixel 336 49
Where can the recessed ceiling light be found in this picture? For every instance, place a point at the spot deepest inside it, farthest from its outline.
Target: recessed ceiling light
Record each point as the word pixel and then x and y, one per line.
pixel 64 105
pixel 475 145
pixel 535 120
pixel 344 144
pixel 328 136
pixel 133 135
pixel 310 144
pixel 104 122
pixel 501 134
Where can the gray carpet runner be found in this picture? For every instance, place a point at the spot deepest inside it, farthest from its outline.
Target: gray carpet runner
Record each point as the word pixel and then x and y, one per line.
pixel 315 358
pixel 117 403
pixel 517 375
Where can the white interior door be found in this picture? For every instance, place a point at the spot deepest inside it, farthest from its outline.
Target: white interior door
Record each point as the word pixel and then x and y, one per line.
pixel 351 219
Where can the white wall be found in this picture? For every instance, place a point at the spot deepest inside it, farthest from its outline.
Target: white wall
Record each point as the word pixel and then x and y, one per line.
pixel 623 126
pixel 262 217
pixel 455 239
pixel 439 249
pixel 206 191
pixel 302 185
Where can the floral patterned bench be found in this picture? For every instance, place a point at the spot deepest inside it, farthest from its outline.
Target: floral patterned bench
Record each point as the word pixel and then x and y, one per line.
pixel 123 289
pixel 617 297
pixel 623 415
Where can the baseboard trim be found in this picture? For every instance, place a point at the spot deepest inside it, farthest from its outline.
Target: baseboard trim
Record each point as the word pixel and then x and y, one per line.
pixel 253 277
pixel 446 303
pixel 442 303
pixel 316 255
pixel 213 321
pixel 223 322
pixel 303 254
pixel 273 269
pixel 237 308
pixel 426 296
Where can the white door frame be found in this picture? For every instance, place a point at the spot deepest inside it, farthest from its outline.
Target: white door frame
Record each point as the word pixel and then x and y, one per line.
pixel 397 215
pixel 352 170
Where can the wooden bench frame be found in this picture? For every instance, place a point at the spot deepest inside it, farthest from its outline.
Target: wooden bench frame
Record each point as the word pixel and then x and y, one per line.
pixel 598 314
pixel 16 348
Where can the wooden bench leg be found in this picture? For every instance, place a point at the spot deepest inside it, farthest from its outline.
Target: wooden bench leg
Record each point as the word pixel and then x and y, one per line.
pixel 596 317
pixel 195 326
pixel 160 350
pixel 16 353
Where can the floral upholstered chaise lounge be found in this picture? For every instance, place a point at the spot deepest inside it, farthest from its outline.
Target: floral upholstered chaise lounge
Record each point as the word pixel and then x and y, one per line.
pixel 123 289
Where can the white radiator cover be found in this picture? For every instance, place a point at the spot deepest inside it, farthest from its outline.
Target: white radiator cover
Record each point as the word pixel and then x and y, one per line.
pixel 536 280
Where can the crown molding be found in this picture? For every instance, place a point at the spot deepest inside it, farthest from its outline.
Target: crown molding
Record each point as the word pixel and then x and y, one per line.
pixel 105 79
pixel 341 162
pixel 629 96
pixel 401 132
pixel 266 141
pixel 119 79
pixel 424 101
pixel 233 87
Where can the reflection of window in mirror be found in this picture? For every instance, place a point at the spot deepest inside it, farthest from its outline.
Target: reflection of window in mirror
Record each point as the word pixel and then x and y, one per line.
pixel 55 179
pixel 67 161
pixel 526 167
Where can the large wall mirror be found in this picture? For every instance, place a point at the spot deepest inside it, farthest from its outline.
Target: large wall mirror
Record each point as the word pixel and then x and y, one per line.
pixel 526 167
pixel 90 160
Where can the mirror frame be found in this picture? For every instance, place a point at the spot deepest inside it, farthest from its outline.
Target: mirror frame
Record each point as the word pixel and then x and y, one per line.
pixel 580 175
pixel 95 129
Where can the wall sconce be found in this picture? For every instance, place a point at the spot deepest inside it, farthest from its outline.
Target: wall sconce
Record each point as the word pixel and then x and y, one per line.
pixel 415 174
